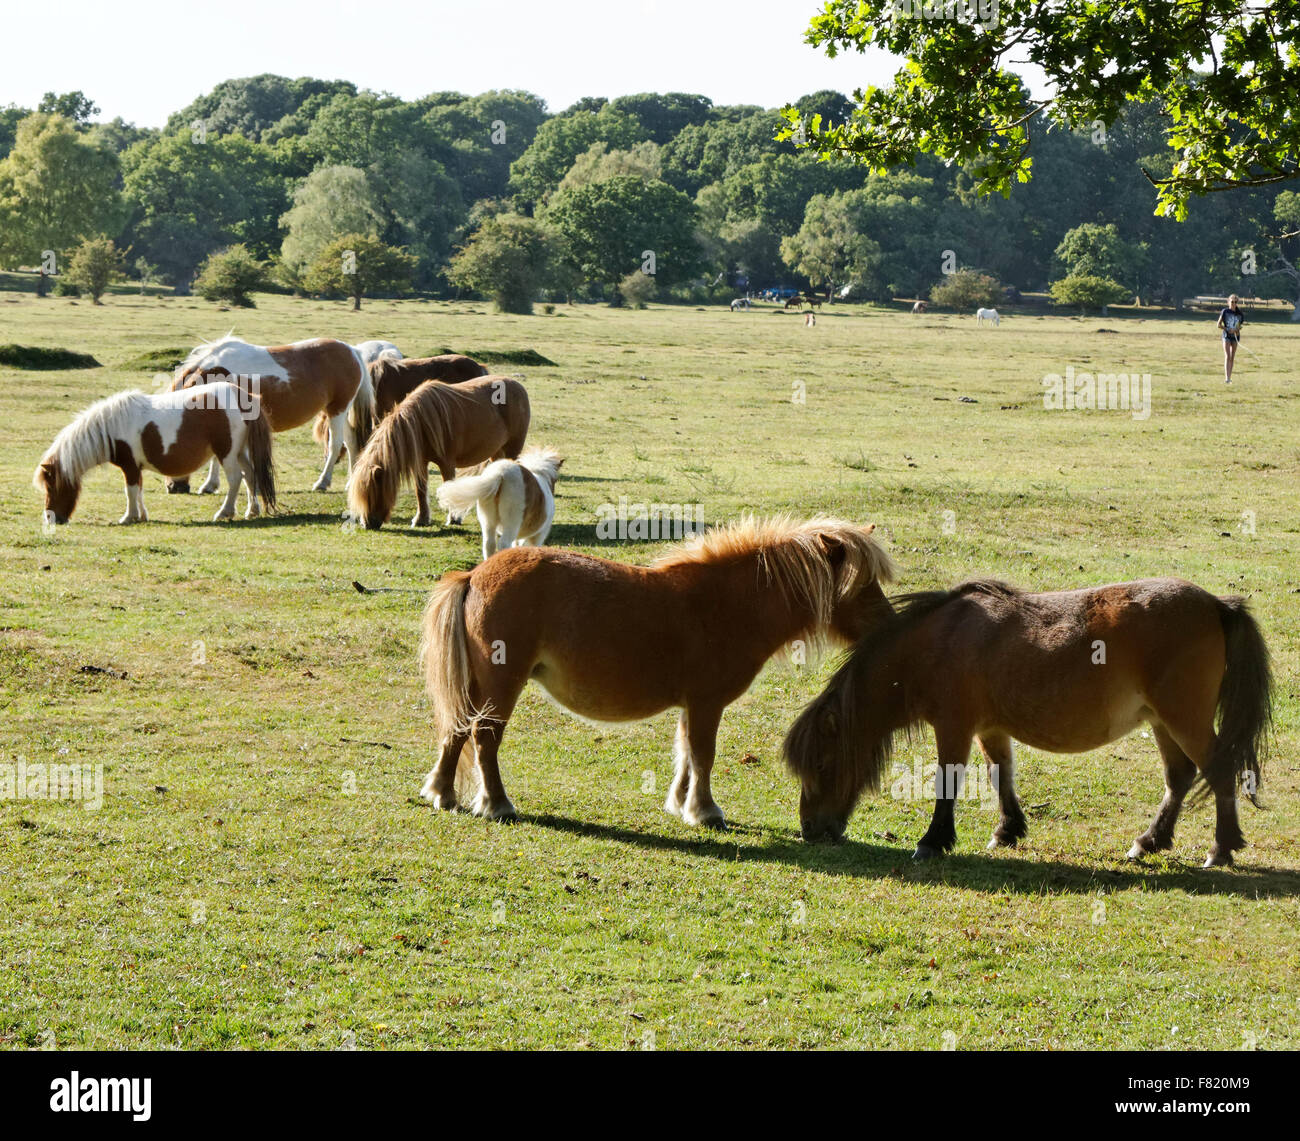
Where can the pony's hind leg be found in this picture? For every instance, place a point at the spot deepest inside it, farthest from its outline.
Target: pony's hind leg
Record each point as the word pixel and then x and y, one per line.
pixel 213 482
pixel 135 512
pixel 1198 743
pixel 246 474
pixel 234 478
pixel 492 801
pixel 440 785
pixel 701 741
pixel 1180 774
pixel 1000 759
pixel 334 447
pixel 954 752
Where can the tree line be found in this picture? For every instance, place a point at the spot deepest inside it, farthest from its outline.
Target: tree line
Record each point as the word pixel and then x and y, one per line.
pixel 312 186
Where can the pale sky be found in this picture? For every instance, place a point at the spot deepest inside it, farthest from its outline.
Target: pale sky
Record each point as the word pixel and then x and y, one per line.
pixel 143 59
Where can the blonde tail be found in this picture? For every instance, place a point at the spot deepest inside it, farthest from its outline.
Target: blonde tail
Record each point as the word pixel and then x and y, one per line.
pixel 459 495
pixel 444 655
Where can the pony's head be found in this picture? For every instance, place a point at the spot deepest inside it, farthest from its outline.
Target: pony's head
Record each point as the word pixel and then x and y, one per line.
pixel 372 487
pixel 61 491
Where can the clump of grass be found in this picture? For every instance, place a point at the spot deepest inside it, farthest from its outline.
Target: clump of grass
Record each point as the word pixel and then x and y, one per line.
pixel 157 360
pixel 39 357
pixel 857 462
pixel 511 356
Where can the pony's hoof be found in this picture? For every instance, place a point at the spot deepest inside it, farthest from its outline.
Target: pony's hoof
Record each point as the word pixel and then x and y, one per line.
pixel 1218 860
pixel 673 807
pixel 222 515
pixel 711 817
pixel 924 852
pixel 1136 852
pixel 444 801
pixel 208 489
pixel 321 485
pixel 421 521
pixel 126 520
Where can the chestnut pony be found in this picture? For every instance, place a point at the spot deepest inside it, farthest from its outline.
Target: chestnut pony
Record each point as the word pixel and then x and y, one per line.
pixel 294 382
pixel 613 642
pixel 447 425
pixel 393 378
pixel 1065 671
pixel 168 432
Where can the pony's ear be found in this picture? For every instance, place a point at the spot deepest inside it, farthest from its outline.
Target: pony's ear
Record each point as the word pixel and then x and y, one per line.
pixel 830 723
pixel 832 546
pixel 48 472
pixel 559 462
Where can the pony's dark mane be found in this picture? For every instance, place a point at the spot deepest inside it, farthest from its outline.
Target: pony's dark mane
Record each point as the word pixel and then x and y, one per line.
pixel 845 737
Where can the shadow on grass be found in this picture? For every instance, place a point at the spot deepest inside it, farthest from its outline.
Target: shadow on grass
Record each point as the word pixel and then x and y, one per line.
pixel 1025 874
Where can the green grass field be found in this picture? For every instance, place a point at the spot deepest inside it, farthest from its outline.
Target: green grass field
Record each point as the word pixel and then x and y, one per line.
pixel 260 873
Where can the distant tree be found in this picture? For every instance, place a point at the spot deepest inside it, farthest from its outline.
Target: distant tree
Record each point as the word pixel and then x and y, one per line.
pixel 1286 209
pixel 10 117
pixel 1093 250
pixel 637 289
pixel 967 289
pixel 231 275
pixel 55 189
pixel 509 258
pixel 359 265
pixel 73 106
pixel 117 134
pixel 259 106
pixel 664 116
pixel 623 223
pixel 598 163
pixel 1088 291
pixel 192 193
pixel 94 265
pixel 830 248
pixel 334 200
pixel 536 174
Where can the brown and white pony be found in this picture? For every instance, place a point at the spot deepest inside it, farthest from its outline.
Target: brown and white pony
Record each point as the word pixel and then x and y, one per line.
pixel 393 378
pixel 612 642
pixel 294 382
pixel 1065 671
pixel 447 425
pixel 169 432
pixel 514 499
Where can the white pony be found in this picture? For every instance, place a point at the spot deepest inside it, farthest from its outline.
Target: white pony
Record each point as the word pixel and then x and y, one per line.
pixel 295 382
pixel 982 315
pixel 740 303
pixel 515 499
pixel 371 351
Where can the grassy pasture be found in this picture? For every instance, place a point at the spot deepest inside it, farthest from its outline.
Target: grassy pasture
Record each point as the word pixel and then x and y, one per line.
pixel 261 875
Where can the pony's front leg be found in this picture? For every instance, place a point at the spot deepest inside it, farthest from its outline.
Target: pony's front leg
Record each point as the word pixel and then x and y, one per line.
pixel 422 516
pixel 701 743
pixel 440 785
pixel 954 752
pixel 135 512
pixel 333 448
pixel 999 757
pixel 676 802
pixel 213 482
pixel 488 527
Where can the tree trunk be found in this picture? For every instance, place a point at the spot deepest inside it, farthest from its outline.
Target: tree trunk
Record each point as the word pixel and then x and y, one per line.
pixel 356 302
pixel 42 284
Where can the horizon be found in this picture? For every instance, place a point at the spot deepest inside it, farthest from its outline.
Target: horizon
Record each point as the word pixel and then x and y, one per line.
pixel 765 61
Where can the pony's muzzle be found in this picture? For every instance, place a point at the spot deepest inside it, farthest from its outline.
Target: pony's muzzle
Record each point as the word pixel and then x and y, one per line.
pixel 53 518
pixel 822 830
pixel 178 487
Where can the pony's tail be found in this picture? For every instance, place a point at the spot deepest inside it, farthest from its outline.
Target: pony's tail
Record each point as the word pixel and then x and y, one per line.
pixel 320 431
pixel 361 413
pixel 444 655
pixel 1245 704
pixel 459 495
pixel 259 456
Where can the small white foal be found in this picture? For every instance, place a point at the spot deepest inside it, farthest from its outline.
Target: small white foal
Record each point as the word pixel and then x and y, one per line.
pixel 982 315
pixel 515 500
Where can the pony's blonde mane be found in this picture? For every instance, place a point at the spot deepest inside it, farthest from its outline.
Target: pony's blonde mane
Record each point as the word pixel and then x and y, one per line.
pixel 399 450
pixel 203 348
pixel 88 441
pixel 796 557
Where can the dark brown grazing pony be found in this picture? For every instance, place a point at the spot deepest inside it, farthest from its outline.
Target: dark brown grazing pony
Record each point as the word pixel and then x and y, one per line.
pixel 612 642
pixel 1064 672
pixel 393 379
pixel 447 425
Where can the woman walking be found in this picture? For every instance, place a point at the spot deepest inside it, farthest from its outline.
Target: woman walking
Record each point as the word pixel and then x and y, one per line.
pixel 1230 321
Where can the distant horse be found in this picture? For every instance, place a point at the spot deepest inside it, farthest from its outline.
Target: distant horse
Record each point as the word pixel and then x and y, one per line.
pixel 613 642
pixel 447 425
pixel 171 433
pixel 294 382
pixel 1065 671
pixel 740 303
pixel 515 499
pixel 793 302
pixel 918 307
pixel 982 315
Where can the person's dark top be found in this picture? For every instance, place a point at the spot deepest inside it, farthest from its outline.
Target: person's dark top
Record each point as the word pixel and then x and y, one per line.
pixel 1232 322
